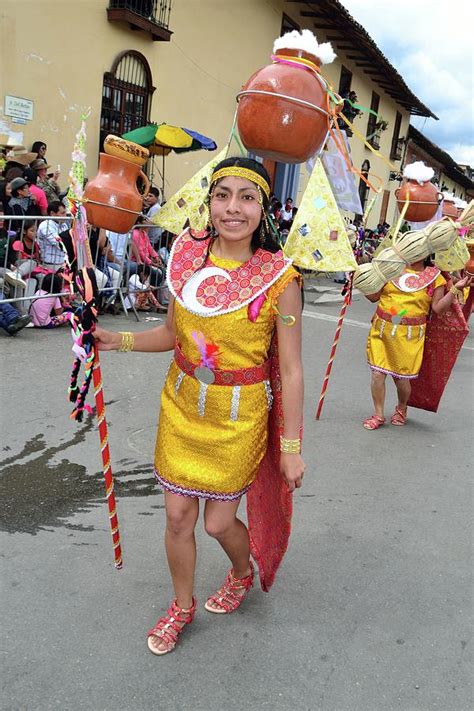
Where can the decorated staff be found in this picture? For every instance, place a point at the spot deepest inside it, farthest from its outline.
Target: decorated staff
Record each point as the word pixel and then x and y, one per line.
pixel 83 323
pixel 346 303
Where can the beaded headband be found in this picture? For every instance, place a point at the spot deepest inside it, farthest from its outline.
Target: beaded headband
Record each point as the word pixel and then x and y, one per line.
pixel 238 172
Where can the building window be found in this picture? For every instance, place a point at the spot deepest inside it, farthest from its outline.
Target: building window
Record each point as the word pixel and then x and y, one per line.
pixel 397 144
pixel 345 80
pixel 373 118
pixel 126 95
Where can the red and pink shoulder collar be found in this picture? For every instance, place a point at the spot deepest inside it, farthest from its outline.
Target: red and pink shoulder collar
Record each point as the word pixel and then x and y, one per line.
pixel 208 290
pixel 416 281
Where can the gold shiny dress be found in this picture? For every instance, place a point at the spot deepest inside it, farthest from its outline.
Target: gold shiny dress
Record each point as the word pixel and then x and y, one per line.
pixel 212 439
pixel 397 349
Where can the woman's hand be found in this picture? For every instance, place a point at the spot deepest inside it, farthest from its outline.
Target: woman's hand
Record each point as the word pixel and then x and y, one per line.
pixel 292 468
pixel 107 340
pixel 465 281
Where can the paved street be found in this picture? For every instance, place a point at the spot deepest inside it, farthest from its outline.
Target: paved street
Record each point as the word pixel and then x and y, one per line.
pixel 370 612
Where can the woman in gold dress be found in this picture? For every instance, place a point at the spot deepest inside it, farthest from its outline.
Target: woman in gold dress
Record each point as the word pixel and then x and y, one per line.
pixel 233 290
pixel 397 337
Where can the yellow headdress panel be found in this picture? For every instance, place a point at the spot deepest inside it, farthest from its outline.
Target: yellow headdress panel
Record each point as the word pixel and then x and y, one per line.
pixel 454 258
pixel 318 239
pixel 189 203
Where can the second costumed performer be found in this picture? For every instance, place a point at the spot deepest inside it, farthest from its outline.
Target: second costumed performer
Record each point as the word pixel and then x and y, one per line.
pixel 396 340
pixel 235 297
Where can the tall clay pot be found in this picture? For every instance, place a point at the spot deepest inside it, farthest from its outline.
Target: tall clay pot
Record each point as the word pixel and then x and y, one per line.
pixel 112 199
pixel 469 267
pixel 274 125
pixel 424 199
pixel 450 209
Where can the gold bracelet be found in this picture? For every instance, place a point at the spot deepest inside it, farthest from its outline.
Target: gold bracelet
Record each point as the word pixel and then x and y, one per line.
pixel 290 446
pixel 127 343
pixel 454 290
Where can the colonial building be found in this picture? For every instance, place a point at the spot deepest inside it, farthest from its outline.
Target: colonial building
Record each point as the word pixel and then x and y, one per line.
pixel 183 62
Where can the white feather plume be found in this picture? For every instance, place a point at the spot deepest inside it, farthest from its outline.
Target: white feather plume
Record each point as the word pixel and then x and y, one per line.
pixel 308 42
pixel 418 171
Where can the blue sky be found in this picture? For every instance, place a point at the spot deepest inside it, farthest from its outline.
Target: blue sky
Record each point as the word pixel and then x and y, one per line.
pixel 430 43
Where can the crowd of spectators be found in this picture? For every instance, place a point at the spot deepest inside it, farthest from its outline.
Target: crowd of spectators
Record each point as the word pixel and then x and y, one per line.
pixel 37 253
pixel 283 216
pixel 37 256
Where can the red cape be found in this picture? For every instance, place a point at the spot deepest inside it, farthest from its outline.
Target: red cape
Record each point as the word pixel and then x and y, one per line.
pixel 445 336
pixel 269 503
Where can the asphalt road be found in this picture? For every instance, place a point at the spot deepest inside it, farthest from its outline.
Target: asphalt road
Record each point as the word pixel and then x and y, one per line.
pixel 371 610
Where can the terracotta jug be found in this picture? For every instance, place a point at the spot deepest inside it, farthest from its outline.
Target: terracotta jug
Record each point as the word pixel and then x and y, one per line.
pixel 112 199
pixel 424 200
pixel 469 268
pixel 450 209
pixel 279 128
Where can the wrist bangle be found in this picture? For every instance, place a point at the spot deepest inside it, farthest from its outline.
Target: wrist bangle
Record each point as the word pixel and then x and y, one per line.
pixel 127 342
pixel 290 446
pixel 455 291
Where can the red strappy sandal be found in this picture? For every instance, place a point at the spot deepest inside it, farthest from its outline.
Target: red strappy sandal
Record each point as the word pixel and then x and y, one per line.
pixel 399 418
pixel 231 595
pixel 374 422
pixel 169 627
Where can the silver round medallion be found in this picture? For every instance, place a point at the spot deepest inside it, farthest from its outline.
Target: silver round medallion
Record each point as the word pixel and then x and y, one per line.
pixel 204 375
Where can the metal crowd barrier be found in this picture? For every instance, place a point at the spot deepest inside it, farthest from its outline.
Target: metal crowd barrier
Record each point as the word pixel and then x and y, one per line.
pixel 22 272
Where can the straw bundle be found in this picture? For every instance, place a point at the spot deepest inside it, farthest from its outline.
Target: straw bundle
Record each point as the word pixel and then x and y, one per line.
pixel 409 248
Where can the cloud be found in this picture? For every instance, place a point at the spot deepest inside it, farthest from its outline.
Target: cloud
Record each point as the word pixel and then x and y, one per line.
pixel 462 153
pixel 431 47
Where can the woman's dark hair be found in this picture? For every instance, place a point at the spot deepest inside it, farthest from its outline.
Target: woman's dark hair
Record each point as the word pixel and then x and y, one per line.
pixel 27 224
pixel 30 175
pixel 54 206
pixel 269 244
pixel 37 145
pixel 52 283
pixel 143 270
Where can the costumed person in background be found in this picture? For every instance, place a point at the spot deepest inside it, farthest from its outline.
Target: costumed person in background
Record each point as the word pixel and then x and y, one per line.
pixel 397 337
pixel 235 294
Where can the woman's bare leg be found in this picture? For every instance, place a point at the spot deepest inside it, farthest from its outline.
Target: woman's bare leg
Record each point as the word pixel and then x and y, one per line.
pixel 181 515
pixel 221 523
pixel 403 386
pixel 377 388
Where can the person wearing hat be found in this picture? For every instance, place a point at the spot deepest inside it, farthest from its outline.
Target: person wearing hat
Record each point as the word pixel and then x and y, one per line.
pixel 49 185
pixel 20 156
pixel 21 202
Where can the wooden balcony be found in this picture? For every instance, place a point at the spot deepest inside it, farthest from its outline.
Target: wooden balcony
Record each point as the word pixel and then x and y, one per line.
pixel 150 16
